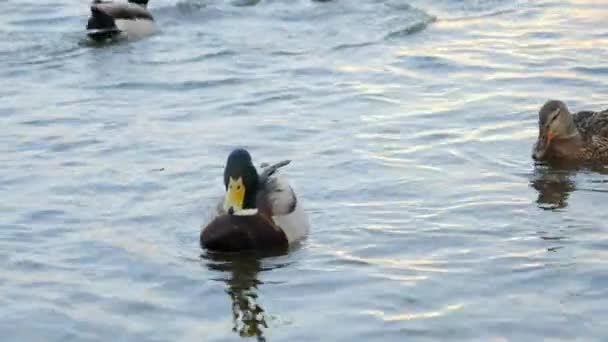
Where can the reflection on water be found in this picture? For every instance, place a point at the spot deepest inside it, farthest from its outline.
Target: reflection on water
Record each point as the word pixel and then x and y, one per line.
pixel 409 150
pixel 554 182
pixel 241 277
pixel 553 185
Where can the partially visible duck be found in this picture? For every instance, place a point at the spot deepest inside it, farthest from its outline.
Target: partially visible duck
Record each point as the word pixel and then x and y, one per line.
pixel 563 136
pixel 260 212
pixel 112 20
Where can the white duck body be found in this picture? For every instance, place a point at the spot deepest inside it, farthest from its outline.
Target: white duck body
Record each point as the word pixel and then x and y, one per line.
pixel 287 209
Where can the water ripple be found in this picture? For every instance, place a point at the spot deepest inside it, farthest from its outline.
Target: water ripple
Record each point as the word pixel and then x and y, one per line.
pixel 409 126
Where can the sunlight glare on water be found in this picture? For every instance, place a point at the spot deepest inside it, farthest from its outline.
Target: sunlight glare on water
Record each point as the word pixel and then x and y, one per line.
pixel 409 125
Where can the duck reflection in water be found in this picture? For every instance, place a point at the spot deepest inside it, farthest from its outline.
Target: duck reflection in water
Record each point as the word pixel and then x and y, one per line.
pixel 554 181
pixel 553 185
pixel 241 277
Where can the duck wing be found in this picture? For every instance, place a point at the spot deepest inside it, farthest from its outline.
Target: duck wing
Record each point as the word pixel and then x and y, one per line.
pixel 592 124
pixel 275 196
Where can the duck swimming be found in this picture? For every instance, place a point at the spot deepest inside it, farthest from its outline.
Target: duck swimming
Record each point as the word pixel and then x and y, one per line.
pixel 563 136
pixel 112 20
pixel 260 212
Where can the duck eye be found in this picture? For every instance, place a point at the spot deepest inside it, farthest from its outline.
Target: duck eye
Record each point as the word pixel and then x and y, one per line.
pixel 553 118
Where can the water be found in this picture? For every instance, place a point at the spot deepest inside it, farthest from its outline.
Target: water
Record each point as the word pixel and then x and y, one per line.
pixel 410 127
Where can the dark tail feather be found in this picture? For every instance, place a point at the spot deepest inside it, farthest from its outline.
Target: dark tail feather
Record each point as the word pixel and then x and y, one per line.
pixel 101 26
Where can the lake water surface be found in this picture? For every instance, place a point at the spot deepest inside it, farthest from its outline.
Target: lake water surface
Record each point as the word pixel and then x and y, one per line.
pixel 410 126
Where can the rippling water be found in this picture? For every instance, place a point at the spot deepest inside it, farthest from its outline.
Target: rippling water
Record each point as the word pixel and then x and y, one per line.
pixel 410 126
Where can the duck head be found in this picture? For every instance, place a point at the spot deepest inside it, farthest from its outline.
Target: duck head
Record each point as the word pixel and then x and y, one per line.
pixel 554 123
pixel 241 182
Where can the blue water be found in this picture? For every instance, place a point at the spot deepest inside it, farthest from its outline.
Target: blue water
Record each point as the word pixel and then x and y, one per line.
pixel 410 126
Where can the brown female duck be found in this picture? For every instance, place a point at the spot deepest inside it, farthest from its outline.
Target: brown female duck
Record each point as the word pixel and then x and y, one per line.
pixel 563 136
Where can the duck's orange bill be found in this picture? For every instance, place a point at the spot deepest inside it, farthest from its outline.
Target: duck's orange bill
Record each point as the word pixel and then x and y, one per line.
pixel 550 137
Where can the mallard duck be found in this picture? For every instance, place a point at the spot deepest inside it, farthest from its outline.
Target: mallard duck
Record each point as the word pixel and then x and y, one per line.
pixel 259 212
pixel 112 20
pixel 563 136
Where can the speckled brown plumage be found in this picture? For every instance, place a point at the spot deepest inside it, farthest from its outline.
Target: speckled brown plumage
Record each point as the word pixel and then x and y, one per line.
pixel 591 124
pixel 574 137
pixel 593 129
pixel 596 149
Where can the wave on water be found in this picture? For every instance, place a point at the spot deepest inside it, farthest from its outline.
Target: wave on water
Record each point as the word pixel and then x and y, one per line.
pixel 383 19
pixel 449 10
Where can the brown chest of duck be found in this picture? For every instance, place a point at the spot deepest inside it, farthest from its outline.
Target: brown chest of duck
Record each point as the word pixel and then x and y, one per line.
pixel 567 137
pixel 246 221
pixel 240 233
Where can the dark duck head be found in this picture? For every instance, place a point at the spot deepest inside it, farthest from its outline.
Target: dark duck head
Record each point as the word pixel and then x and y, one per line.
pixel 241 183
